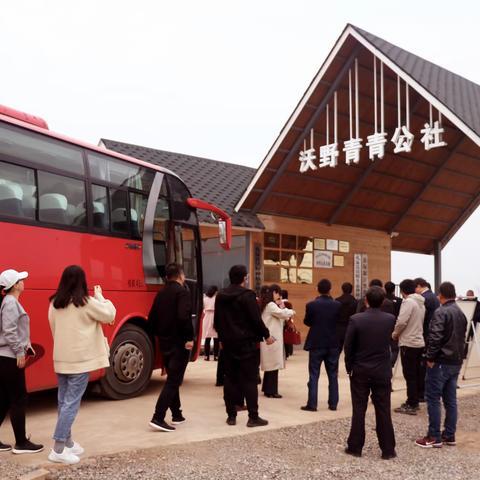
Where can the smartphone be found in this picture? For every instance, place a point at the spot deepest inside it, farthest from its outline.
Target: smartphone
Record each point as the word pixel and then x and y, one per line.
pixel 30 352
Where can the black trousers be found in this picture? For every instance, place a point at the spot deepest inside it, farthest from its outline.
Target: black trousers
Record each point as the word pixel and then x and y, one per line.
pixel 13 396
pixel 215 347
pixel 361 386
pixel 422 375
pixel 241 375
pixel 412 371
pixel 175 362
pixel 270 382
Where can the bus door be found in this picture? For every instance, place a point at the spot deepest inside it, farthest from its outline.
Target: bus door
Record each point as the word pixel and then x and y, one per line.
pixel 187 253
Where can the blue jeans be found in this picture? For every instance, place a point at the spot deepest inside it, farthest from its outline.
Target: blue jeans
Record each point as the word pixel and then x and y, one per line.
pixel 71 388
pixel 315 358
pixel 441 382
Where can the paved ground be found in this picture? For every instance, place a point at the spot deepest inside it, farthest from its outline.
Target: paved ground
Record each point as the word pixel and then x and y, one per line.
pixel 107 428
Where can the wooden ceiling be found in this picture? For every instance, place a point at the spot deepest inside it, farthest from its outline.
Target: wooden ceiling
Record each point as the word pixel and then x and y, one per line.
pixel 421 197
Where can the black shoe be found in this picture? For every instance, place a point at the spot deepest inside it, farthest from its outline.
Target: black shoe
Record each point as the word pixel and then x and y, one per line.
pixel 231 421
pixel 354 454
pixel 219 384
pixel 331 407
pixel 177 419
pixel 207 359
pixel 389 456
pixel 422 400
pixel 215 359
pixel 450 441
pixel 4 447
pixel 273 395
pixel 308 409
pixel 257 422
pixel 27 447
pixel 161 425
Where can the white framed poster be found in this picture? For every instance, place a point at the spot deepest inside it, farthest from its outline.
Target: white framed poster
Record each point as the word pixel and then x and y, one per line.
pixel 332 245
pixel 323 259
pixel 344 247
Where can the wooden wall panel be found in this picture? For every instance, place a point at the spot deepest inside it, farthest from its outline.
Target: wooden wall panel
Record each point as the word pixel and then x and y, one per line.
pixel 374 243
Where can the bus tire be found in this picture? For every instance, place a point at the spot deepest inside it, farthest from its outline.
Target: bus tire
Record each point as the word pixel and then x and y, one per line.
pixel 131 364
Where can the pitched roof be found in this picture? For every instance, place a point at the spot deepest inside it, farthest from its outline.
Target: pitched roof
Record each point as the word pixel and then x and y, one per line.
pixel 420 197
pixel 459 95
pixel 219 183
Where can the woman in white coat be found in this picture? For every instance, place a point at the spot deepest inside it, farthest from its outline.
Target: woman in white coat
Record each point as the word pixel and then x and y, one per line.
pixel 209 331
pixel 272 357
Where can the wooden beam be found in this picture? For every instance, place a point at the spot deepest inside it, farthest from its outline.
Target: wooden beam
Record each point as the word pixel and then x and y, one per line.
pixel 307 128
pixel 472 206
pixel 427 185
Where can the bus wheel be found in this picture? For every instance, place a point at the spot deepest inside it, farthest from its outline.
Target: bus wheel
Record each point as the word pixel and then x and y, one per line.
pixel 131 364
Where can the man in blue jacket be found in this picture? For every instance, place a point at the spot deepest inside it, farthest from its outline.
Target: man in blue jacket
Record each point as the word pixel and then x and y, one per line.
pixel 322 316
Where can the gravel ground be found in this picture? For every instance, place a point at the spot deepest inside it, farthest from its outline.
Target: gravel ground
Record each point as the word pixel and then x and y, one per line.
pixel 305 452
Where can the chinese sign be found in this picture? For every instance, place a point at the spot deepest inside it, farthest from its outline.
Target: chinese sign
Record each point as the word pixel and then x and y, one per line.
pixel 329 154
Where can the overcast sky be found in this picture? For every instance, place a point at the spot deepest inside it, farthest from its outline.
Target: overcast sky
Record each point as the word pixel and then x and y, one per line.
pixel 213 78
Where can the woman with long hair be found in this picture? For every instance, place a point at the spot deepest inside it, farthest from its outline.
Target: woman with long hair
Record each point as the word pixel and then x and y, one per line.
pixel 272 358
pixel 15 346
pixel 209 331
pixel 79 347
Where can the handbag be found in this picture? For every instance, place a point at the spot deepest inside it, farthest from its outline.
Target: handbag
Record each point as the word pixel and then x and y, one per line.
pixel 291 336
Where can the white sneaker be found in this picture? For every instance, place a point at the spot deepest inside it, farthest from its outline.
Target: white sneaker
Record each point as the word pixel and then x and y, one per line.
pixel 77 449
pixel 64 457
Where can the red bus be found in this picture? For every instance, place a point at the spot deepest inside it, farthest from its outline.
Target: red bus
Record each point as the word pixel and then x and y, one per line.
pixel 66 202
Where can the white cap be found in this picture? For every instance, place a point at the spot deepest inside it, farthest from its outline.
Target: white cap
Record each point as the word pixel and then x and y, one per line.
pixel 8 278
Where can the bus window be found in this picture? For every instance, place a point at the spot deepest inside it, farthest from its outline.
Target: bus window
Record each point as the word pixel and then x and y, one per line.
pixel 119 206
pixel 116 172
pixel 61 200
pixel 161 236
pixel 31 147
pixel 101 213
pixel 138 204
pixel 185 251
pixel 18 193
pixel 178 195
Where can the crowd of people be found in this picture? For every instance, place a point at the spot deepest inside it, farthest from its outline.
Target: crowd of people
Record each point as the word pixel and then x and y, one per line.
pixel 427 331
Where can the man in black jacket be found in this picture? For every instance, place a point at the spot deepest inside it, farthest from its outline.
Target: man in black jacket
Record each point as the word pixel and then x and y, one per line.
pixel 171 321
pixel 240 328
pixel 367 360
pixel 387 305
pixel 349 307
pixel 422 287
pixel 397 303
pixel 444 354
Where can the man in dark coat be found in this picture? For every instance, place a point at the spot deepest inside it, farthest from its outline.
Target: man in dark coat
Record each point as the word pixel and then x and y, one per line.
pixel 349 307
pixel 367 360
pixel 422 287
pixel 322 315
pixel 171 321
pixel 397 303
pixel 444 358
pixel 387 305
pixel 240 328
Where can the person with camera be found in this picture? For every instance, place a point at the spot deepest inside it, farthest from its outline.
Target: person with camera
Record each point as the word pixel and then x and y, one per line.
pixel 79 347
pixel 15 347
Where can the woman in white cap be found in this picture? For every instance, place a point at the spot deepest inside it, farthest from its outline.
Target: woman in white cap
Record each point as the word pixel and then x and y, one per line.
pixel 79 347
pixel 14 347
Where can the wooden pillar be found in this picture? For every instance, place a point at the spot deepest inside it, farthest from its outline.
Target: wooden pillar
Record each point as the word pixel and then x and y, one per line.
pixel 437 255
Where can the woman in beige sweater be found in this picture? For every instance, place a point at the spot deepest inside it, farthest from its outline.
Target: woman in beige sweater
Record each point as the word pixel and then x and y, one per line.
pixel 79 347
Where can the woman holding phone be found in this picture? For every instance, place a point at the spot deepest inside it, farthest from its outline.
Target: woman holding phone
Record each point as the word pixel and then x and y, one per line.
pixel 14 348
pixel 79 347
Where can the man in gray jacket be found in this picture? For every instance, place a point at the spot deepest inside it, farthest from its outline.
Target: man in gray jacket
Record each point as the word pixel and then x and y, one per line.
pixel 409 333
